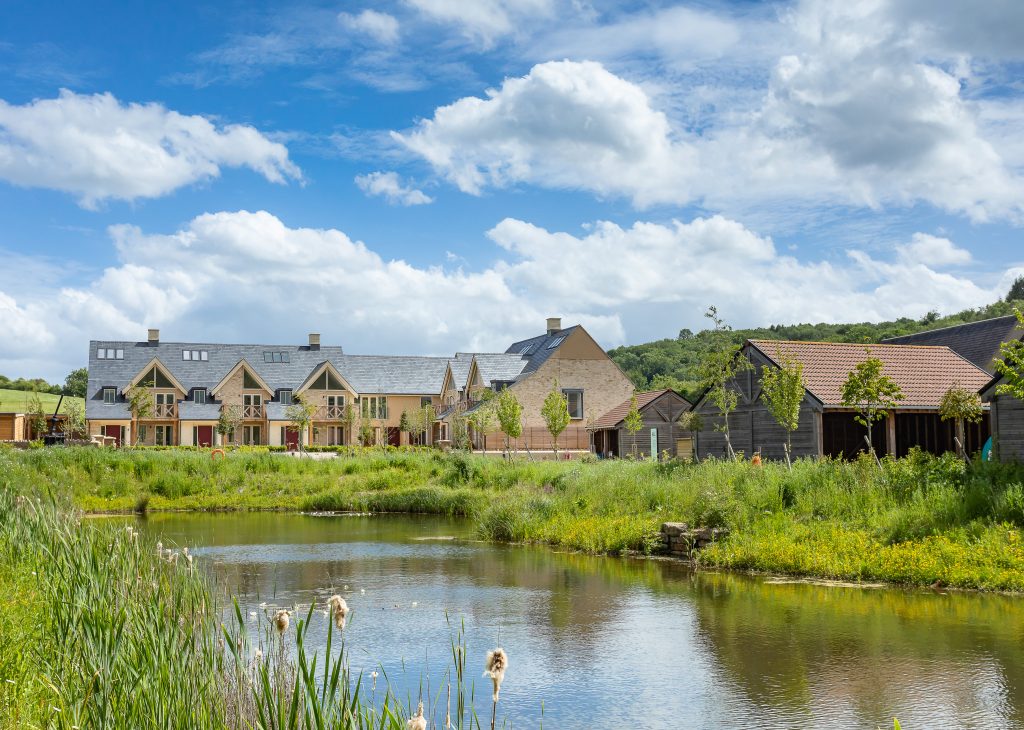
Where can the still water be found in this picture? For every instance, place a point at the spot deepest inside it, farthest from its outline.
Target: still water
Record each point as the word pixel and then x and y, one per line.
pixel 625 643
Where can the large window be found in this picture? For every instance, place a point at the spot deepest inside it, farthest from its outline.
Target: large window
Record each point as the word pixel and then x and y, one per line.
pixel 276 357
pixel 164 436
pixel 105 353
pixel 109 396
pixel 575 399
pixel 375 406
pixel 251 435
pixel 195 355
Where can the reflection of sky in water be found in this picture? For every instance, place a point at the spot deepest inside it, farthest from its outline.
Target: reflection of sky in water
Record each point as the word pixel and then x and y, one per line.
pixel 608 642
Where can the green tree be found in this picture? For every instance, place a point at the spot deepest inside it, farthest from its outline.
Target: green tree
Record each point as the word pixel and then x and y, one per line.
pixel 960 405
pixel 555 412
pixel 509 412
pixel 1016 292
pixel 300 417
pixel 1010 364
pixel 783 391
pixel 76 383
pixel 718 369
pixel 35 414
pixel 633 422
pixel 872 393
pixel 229 421
pixel 140 405
pixel 403 423
pixel 74 419
pixel 349 417
pixel 482 418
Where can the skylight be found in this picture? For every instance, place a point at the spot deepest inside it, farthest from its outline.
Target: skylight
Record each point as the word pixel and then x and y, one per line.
pixel 555 343
pixel 528 349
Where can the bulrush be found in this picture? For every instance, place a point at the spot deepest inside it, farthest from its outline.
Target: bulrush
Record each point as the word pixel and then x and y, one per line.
pixel 417 721
pixel 339 610
pixel 281 621
pixel 497 663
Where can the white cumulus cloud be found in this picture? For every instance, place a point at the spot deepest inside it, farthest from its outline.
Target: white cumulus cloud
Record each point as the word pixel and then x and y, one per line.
pixel 97 148
pixel 233 276
pixel 380 26
pixel 484 21
pixel 565 124
pixel 388 186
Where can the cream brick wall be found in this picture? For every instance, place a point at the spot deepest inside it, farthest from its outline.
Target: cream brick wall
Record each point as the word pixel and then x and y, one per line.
pixel 603 384
pixel 231 392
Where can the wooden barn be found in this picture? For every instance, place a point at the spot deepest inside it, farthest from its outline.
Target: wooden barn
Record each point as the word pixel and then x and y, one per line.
pixel 827 428
pixel 660 410
pixel 13 427
pixel 1007 417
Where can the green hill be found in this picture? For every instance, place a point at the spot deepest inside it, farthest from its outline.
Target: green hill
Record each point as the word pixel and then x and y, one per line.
pixel 17 401
pixel 672 363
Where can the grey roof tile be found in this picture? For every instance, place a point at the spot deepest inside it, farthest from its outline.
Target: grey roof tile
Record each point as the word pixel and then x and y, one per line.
pixel 977 342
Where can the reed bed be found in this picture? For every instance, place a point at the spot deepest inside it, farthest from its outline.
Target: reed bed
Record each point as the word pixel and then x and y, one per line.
pixel 105 629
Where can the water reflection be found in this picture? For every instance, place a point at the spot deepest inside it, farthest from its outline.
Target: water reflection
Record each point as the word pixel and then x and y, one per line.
pixel 610 642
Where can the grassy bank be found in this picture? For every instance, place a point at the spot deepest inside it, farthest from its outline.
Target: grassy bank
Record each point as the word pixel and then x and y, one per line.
pixel 918 520
pixel 102 629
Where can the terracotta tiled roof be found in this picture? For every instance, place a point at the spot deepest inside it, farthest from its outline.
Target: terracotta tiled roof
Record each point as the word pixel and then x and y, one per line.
pixel 612 418
pixel 924 374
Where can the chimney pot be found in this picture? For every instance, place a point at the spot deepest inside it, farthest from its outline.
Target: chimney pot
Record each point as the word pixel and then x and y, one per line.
pixel 154 337
pixel 314 341
pixel 554 325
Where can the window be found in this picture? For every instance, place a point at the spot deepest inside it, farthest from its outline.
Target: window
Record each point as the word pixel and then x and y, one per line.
pixel 119 354
pixel 111 354
pixel 528 349
pixel 248 381
pixel 251 435
pixel 143 431
pixel 575 400
pixel 101 354
pixel 275 357
pixel 109 396
pixel 326 381
pixel 199 396
pixel 105 353
pixel 156 378
pixel 164 436
pixel 195 355
pixel 286 397
pixel 375 406
pixel 426 401
pixel 556 342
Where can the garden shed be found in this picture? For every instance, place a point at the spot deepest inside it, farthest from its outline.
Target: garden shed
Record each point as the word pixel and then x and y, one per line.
pixel 1007 417
pixel 660 411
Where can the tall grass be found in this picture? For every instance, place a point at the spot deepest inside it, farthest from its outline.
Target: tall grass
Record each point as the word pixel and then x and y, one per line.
pixel 103 629
pixel 919 519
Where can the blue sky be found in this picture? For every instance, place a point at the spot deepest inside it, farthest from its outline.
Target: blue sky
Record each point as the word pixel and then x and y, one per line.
pixel 426 176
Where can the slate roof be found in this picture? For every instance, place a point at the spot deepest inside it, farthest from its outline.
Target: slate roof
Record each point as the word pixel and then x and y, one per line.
pixel 498 366
pixel 616 415
pixel 371 374
pixel 192 411
pixel 460 368
pixel 976 341
pixel 924 374
pixel 541 349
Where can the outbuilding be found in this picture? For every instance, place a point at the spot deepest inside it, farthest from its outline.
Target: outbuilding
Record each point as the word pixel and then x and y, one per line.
pixel 660 411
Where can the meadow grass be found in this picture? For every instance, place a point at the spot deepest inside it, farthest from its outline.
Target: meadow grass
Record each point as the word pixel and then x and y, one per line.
pixel 917 520
pixel 16 401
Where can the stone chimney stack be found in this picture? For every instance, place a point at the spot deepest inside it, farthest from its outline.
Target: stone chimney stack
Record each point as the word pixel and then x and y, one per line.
pixel 314 341
pixel 554 325
pixel 154 337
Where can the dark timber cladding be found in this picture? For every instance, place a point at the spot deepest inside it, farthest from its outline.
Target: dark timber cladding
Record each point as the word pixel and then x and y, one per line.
pixel 826 427
pixel 660 411
pixel 1007 422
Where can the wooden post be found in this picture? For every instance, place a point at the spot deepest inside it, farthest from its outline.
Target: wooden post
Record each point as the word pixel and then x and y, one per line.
pixel 890 433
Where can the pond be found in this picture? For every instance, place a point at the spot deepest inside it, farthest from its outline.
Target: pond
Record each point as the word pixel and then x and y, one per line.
pixel 621 642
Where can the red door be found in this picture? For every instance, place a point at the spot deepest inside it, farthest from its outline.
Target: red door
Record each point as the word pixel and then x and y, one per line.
pixel 204 435
pixel 291 438
pixel 114 431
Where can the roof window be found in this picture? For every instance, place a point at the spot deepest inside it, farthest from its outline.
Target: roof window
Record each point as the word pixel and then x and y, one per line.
pixel 275 357
pixel 195 355
pixel 528 349
pixel 556 342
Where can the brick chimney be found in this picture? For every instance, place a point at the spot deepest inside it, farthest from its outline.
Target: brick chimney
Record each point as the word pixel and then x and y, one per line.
pixel 554 325
pixel 154 337
pixel 314 341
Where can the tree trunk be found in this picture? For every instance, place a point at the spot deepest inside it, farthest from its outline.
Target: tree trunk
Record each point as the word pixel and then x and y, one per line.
pixel 961 447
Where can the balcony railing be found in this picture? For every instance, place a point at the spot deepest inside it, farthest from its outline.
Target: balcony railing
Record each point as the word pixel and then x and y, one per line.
pixel 165 410
pixel 252 412
pixel 330 413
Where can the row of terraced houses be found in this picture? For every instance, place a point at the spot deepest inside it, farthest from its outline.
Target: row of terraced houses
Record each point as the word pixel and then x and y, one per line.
pixel 191 383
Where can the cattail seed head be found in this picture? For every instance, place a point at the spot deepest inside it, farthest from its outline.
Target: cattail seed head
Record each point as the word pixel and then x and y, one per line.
pixel 339 610
pixel 417 721
pixel 495 666
pixel 281 621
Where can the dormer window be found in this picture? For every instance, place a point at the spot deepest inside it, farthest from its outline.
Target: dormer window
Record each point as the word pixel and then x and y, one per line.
pixel 199 395
pixel 286 397
pixel 195 355
pixel 109 396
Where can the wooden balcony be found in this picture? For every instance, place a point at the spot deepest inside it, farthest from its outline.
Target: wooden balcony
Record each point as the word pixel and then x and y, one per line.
pixel 330 413
pixel 251 413
pixel 165 410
